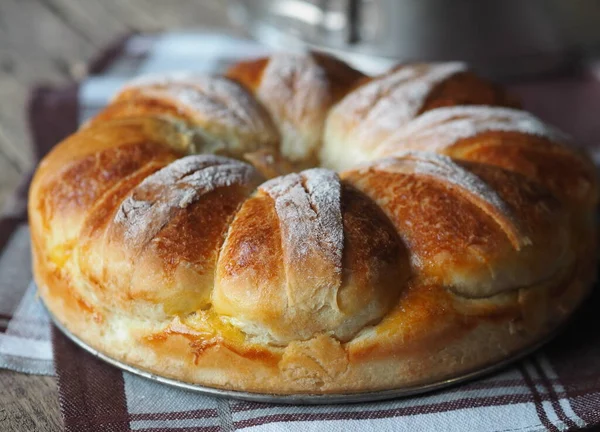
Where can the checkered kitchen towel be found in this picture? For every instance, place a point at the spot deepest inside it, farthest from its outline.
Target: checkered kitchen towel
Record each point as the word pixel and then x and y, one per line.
pixel 556 389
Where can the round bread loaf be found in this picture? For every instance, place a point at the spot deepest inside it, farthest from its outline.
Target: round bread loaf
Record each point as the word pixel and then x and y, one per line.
pixel 296 227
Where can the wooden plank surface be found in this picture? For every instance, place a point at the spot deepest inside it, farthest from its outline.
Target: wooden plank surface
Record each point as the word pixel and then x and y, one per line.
pixel 51 41
pixel 28 403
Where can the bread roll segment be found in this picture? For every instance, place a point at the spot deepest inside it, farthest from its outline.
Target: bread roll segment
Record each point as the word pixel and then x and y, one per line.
pixel 475 229
pixel 220 115
pixel 189 229
pixel 159 245
pixel 509 138
pixel 380 106
pixel 325 260
pixel 298 91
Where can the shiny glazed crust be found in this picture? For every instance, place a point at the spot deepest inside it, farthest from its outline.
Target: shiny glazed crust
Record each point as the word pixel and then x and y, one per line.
pixel 459 234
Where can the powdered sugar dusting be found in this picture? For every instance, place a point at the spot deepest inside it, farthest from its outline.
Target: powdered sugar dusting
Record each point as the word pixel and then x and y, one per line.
pixel 308 205
pixel 440 128
pixel 295 90
pixel 150 206
pixel 390 101
pixel 443 168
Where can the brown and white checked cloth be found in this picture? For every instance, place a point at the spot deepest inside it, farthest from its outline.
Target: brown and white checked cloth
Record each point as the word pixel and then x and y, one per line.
pixel 556 389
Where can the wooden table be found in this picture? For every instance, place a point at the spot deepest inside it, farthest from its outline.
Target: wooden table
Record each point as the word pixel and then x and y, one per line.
pixel 51 41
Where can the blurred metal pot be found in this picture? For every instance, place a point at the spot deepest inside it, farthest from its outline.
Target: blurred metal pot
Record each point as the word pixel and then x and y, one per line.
pixel 500 38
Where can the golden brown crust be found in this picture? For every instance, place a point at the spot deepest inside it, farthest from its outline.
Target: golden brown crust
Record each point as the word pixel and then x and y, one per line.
pixel 298 90
pixel 86 166
pixel 159 245
pixel 341 76
pixel 379 106
pixel 568 174
pixel 278 291
pixel 248 73
pixel 457 248
pixel 221 117
pixel 403 350
pixel 466 88
pixel 477 243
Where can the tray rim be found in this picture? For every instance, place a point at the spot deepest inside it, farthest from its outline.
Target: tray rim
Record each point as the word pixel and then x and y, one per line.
pixel 307 398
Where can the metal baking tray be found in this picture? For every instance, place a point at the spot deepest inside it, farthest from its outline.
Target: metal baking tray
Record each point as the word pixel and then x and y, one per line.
pixel 305 399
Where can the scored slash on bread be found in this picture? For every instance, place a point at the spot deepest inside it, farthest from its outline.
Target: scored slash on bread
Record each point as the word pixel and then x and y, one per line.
pixel 382 105
pixel 188 230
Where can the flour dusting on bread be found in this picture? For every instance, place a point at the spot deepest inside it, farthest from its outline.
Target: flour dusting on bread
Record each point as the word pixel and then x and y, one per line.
pixel 441 128
pixel 209 96
pixel 389 101
pixel 364 118
pixel 445 169
pixel 153 202
pixel 309 209
pixel 295 90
